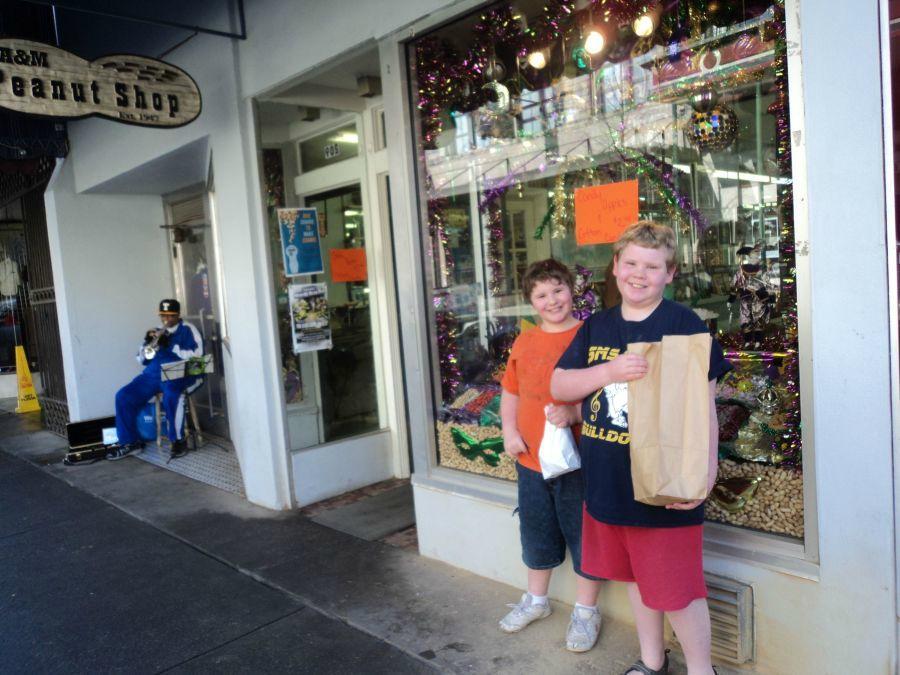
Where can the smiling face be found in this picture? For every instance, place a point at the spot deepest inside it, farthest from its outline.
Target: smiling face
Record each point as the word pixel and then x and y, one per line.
pixel 641 275
pixel 552 300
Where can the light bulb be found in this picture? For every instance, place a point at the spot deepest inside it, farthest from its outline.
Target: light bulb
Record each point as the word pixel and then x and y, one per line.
pixel 594 42
pixel 537 60
pixel 648 22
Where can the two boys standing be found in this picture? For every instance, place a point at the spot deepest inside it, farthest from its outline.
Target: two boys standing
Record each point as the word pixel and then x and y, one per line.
pixel 657 551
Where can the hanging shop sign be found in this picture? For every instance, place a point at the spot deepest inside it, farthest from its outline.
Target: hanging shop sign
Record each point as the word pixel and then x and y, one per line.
pixel 300 246
pixel 310 328
pixel 39 79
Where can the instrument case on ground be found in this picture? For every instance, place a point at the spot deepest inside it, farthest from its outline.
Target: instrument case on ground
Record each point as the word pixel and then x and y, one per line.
pixel 86 440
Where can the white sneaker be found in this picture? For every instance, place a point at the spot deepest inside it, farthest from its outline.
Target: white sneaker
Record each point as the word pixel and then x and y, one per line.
pixel 523 614
pixel 584 627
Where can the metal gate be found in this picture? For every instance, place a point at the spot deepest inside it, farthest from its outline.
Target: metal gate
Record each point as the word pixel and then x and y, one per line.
pixel 40 312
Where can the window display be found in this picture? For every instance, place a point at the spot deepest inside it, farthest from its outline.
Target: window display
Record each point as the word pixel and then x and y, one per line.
pixel 543 129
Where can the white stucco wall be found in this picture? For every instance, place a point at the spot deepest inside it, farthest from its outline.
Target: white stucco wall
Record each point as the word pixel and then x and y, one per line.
pixel 110 268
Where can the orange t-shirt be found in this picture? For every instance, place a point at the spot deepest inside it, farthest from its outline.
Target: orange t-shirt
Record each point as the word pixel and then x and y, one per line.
pixel 531 362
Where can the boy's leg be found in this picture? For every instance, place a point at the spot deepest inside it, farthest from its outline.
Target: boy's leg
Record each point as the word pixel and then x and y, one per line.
pixel 668 568
pixel 586 591
pixel 539 582
pixel 649 623
pixel 568 495
pixel 692 627
pixel 543 548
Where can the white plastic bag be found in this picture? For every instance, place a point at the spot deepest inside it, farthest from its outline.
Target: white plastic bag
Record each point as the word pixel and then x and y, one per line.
pixel 558 453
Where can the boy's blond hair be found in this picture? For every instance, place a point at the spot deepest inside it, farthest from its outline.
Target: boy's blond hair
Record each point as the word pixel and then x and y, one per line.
pixel 648 234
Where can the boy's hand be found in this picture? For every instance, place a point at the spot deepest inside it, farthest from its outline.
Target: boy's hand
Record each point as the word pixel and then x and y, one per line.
pixel 685 506
pixel 626 367
pixel 561 415
pixel 513 444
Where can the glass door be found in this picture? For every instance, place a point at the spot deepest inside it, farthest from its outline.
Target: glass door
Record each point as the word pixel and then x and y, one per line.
pixel 193 258
pixel 347 374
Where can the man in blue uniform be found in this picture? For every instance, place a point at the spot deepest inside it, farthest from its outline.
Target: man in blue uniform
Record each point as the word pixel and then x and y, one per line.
pixel 173 340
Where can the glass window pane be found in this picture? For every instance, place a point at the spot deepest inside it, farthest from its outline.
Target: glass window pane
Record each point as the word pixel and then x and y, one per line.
pixel 512 123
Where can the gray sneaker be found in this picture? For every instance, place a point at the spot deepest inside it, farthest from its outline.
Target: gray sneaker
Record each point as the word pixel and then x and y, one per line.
pixel 584 627
pixel 523 613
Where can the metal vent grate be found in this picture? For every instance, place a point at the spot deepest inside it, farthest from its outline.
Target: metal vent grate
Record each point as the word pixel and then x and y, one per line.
pixel 731 615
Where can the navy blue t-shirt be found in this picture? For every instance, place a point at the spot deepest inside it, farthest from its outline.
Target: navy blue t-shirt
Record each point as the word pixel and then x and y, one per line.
pixel 605 457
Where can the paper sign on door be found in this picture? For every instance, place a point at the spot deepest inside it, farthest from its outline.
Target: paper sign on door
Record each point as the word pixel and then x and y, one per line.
pixel 348 264
pixel 602 212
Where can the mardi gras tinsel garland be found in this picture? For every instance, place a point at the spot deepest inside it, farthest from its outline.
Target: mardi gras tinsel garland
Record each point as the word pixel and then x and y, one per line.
pixel 448 353
pixel 440 239
pixel 790 444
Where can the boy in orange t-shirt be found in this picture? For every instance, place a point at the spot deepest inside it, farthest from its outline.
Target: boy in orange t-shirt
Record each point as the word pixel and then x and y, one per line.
pixel 549 511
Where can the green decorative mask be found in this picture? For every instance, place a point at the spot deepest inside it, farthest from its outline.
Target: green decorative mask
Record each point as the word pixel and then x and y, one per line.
pixel 489 449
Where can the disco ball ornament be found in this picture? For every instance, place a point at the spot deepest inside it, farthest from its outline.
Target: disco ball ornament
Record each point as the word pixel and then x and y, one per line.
pixel 715 129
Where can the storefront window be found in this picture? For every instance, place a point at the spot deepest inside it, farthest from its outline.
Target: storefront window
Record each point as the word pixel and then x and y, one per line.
pixel 680 111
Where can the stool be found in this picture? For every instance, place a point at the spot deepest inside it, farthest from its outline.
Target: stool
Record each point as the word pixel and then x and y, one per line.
pixel 192 429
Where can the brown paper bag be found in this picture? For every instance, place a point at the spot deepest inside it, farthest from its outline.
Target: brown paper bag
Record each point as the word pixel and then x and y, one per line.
pixel 668 420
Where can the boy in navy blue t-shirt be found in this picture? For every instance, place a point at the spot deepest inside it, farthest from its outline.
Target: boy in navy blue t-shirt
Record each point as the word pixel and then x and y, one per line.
pixel 657 551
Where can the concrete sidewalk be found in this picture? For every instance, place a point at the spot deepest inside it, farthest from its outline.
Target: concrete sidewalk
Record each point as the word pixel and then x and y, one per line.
pixel 405 611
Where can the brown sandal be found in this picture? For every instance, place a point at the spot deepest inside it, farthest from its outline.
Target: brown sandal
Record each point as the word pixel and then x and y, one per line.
pixel 641 667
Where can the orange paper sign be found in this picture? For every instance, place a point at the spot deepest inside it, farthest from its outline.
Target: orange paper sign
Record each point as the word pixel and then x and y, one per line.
pixel 348 264
pixel 602 212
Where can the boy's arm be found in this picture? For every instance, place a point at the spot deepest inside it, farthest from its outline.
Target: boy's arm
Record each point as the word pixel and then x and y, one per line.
pixel 577 383
pixel 713 453
pixel 512 439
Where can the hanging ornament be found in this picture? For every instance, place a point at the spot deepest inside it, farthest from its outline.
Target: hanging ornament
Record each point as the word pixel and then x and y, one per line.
pixel 704 100
pixel 498 98
pixel 584 300
pixel 715 129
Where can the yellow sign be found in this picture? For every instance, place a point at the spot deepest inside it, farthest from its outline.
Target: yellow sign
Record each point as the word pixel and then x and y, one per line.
pixel 28 401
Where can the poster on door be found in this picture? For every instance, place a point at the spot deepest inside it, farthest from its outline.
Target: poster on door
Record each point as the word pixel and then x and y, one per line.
pixel 300 246
pixel 310 329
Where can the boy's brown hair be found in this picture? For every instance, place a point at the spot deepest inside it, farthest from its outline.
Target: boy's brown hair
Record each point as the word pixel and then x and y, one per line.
pixel 648 234
pixel 545 270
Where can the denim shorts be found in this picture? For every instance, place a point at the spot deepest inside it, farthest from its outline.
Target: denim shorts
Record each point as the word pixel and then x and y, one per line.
pixel 550 519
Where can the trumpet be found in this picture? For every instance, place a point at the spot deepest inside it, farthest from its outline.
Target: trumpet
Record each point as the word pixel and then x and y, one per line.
pixel 151 344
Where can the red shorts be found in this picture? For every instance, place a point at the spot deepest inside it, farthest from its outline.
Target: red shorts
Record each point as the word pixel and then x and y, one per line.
pixel 665 562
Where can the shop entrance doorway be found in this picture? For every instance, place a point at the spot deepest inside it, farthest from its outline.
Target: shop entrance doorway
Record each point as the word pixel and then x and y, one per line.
pixel 348 389
pixel 192 248
pixel 323 147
